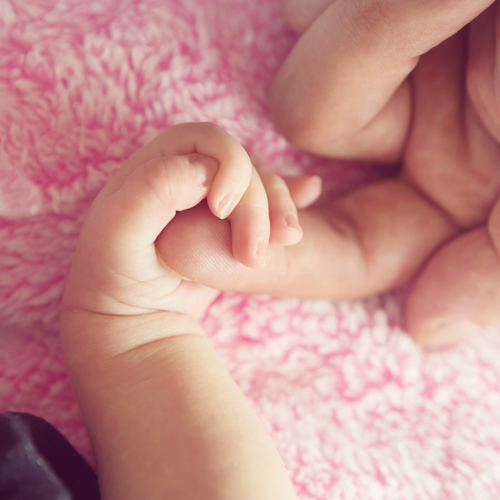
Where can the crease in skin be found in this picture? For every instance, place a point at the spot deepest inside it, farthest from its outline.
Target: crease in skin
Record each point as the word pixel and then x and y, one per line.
pixel 454 153
pixel 354 255
pixel 456 227
pixel 494 227
pixel 473 179
pixel 170 270
pixel 443 332
pixel 464 158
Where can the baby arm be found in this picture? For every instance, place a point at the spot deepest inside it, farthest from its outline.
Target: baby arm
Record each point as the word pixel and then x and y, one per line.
pixel 164 417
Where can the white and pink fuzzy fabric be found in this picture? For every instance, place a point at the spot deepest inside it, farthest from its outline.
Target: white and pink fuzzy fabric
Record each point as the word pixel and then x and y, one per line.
pixel 355 409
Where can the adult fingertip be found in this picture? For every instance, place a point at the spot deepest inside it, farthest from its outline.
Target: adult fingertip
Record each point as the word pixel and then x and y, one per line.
pixel 441 333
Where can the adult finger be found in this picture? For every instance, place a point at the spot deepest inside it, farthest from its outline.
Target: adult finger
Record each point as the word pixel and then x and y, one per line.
pixel 372 240
pixel 300 15
pixel 343 89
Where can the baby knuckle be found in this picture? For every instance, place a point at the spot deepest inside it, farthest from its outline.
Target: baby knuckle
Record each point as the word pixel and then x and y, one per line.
pixel 159 179
pixel 207 128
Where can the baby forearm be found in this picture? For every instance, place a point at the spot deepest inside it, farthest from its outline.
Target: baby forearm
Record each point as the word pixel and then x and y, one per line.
pixel 165 418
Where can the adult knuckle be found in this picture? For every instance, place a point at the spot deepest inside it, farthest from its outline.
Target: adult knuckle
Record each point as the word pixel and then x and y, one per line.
pixel 368 16
pixel 387 27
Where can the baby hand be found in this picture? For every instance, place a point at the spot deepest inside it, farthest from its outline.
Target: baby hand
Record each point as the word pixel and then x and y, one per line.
pixel 116 269
pixel 158 403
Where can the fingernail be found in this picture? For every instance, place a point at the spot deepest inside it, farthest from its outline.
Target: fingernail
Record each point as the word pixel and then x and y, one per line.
pixel 292 222
pixel 260 251
pixel 203 167
pixel 444 332
pixel 226 205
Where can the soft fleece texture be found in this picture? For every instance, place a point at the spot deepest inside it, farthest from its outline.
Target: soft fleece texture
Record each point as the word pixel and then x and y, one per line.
pixel 355 409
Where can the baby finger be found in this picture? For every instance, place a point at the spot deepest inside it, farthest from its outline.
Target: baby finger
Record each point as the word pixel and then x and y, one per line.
pixel 250 224
pixel 285 227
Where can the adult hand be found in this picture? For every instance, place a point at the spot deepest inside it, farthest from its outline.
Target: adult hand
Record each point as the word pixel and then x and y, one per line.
pixel 391 81
pixel 413 82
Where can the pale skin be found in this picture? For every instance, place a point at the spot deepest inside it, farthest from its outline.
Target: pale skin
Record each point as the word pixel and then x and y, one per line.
pixel 385 80
pixel 164 417
pixel 346 91
pixel 150 385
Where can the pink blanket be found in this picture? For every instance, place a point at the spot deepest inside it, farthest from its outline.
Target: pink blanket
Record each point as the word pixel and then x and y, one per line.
pixel 355 409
